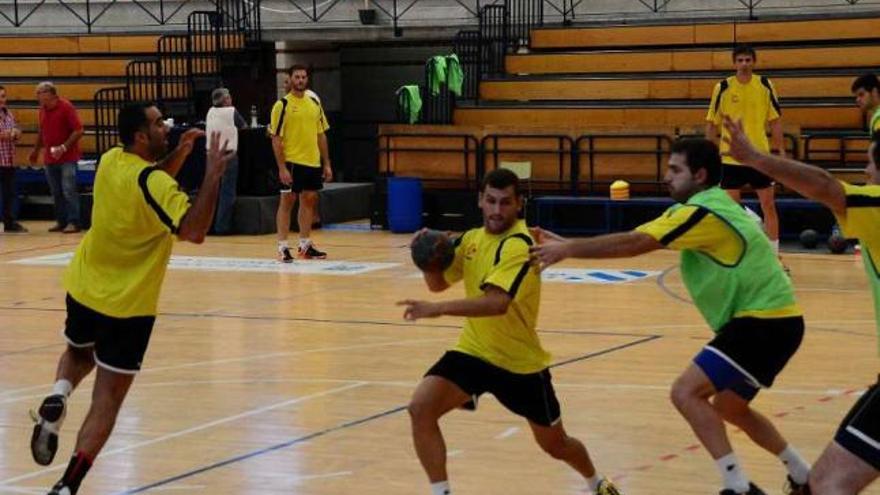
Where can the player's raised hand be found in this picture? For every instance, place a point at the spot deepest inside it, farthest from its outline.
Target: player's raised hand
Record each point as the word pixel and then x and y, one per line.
pixel 218 156
pixel 740 148
pixel 549 252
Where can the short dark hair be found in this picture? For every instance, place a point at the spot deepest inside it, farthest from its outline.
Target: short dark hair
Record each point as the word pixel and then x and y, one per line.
pixel 132 118
pixel 867 81
pixel 2 86
pixel 501 178
pixel 744 50
pixel 700 153
pixel 296 67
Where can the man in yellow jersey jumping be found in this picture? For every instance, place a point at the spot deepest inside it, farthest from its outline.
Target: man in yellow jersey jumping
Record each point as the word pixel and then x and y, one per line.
pixel 297 126
pixel 751 98
pixel 737 284
pixel 852 461
pixel 498 351
pixel 115 276
pixel 866 89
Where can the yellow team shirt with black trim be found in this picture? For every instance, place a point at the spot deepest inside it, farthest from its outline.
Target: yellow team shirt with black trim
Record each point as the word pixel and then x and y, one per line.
pixel 727 265
pixel 754 103
pixel 508 341
pixel 874 125
pixel 298 121
pixel 120 263
pixel 862 221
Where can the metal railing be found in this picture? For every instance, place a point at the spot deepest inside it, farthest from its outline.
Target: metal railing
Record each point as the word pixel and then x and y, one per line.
pixel 558 146
pixel 170 78
pixel 108 103
pixel 662 145
pixel 468 147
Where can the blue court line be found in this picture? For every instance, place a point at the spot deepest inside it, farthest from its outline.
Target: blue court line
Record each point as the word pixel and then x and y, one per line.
pixel 605 276
pixel 348 227
pixel 605 351
pixel 262 451
pixel 339 427
pixel 634 273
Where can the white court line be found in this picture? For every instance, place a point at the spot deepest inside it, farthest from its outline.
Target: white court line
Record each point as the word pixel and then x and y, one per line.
pixel 455 453
pixel 325 475
pixel 194 429
pixel 168 488
pixel 513 430
pixel 22 489
pixel 47 387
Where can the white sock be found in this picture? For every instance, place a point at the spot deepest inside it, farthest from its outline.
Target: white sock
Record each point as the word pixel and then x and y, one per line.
pixel 283 245
pixel 775 244
pixel 304 243
pixel 732 472
pixel 594 482
pixel 441 488
pixel 62 387
pixel 797 467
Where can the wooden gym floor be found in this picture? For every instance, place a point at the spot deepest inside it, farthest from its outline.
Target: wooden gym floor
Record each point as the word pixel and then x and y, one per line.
pixel 280 383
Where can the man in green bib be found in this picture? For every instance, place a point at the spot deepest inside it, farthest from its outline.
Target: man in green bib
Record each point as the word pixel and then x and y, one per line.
pixel 730 270
pixel 866 89
pixel 852 461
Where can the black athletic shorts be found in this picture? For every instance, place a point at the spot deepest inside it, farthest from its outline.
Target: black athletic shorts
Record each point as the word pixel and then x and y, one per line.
pixel 528 395
pixel 738 176
pixel 758 348
pixel 119 343
pixel 305 178
pixel 859 432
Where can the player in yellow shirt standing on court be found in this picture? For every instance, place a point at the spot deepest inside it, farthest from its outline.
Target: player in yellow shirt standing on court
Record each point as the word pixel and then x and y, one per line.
pixel 498 351
pixel 749 98
pixel 115 276
pixel 297 126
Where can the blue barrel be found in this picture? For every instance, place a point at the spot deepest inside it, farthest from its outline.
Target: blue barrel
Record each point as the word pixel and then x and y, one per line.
pixel 404 204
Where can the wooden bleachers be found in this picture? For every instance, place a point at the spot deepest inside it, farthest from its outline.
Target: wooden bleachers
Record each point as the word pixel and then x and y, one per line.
pixel 605 76
pixel 833 30
pixel 697 88
pixel 669 60
pixel 78 65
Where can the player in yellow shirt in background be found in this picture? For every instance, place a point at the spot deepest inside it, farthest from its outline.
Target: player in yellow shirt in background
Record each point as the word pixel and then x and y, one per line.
pixel 498 351
pixel 751 98
pixel 115 276
pixel 298 127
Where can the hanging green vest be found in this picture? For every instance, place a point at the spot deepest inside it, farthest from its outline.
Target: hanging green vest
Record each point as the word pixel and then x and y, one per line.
pixel 436 74
pixel 753 286
pixel 409 102
pixel 454 74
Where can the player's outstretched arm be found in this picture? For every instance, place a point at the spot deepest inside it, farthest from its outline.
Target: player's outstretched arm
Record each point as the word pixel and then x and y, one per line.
pixel 493 302
pixel 620 245
pixel 810 181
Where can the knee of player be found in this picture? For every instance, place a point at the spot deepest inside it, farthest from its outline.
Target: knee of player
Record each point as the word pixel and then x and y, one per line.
pixel 680 394
pixel 420 411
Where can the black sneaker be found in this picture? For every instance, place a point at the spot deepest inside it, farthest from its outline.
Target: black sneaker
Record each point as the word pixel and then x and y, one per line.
pixel 44 440
pixel 792 488
pixel 753 490
pixel 284 255
pixel 14 228
pixel 310 253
